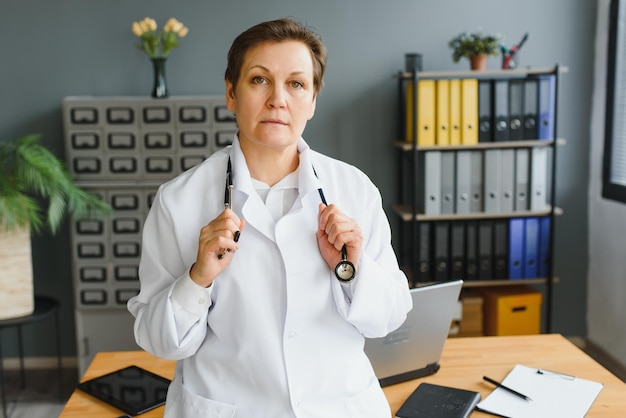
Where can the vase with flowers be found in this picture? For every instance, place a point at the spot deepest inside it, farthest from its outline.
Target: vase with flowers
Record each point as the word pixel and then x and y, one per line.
pixel 157 44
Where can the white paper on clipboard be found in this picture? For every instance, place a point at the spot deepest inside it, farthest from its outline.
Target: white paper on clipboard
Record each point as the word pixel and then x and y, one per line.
pixel 553 395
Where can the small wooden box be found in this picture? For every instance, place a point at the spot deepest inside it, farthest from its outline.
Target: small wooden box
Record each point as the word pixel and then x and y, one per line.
pixel 470 321
pixel 511 310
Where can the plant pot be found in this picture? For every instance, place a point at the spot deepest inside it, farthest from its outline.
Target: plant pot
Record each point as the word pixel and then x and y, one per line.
pixel 478 62
pixel 16 281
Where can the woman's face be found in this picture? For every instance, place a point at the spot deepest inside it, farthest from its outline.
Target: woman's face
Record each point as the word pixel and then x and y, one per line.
pixel 274 97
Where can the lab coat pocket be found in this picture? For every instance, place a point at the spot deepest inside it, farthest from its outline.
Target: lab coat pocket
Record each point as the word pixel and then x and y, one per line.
pixel 181 403
pixel 371 403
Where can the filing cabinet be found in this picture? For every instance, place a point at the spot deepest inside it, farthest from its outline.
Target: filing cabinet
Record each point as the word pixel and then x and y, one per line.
pixel 123 148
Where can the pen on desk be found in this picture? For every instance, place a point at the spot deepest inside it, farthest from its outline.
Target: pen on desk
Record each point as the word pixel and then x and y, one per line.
pixel 550 372
pixel 508 389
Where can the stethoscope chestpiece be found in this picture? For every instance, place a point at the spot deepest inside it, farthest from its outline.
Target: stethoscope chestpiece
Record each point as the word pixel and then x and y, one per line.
pixel 345 271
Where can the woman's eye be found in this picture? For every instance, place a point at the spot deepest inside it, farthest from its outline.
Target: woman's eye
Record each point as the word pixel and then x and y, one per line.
pixel 296 84
pixel 258 80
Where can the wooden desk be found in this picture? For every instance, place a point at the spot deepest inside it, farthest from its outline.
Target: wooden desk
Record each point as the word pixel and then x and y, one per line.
pixel 463 364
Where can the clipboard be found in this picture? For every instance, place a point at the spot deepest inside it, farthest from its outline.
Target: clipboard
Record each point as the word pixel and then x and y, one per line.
pixel 132 389
pixel 552 394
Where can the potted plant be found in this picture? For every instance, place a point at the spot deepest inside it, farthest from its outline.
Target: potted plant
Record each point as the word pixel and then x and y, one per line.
pixel 36 193
pixel 476 47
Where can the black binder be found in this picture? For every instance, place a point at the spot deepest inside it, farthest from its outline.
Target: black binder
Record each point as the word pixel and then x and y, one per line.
pixel 516 109
pixel 501 110
pixel 501 249
pixel 485 121
pixel 457 250
pixel 442 246
pixel 485 250
pixel 471 250
pixel 531 88
pixel 424 270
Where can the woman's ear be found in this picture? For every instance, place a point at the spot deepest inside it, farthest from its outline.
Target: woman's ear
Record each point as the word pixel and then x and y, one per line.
pixel 313 106
pixel 230 96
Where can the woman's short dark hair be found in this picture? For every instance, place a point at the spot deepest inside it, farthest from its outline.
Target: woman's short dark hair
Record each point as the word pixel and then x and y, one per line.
pixel 280 30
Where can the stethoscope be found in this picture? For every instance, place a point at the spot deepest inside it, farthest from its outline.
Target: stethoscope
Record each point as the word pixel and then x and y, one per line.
pixel 344 271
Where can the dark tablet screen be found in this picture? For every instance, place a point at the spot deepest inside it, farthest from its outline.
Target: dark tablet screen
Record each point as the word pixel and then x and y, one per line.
pixel 131 389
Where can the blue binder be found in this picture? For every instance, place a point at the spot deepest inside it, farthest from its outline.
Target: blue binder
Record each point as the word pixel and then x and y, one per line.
pixel 516 248
pixel 544 246
pixel 546 107
pixel 531 250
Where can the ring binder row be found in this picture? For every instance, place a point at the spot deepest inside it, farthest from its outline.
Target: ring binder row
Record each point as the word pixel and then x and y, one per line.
pixel 500 249
pixel 483 181
pixel 469 111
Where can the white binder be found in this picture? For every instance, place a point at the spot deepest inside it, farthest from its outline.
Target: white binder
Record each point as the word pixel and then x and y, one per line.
pixel 493 180
pixel 508 180
pixel 463 181
pixel 538 178
pixel 430 173
pixel 522 161
pixel 447 183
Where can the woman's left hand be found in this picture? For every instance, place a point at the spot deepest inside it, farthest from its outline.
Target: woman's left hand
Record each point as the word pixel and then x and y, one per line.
pixel 334 230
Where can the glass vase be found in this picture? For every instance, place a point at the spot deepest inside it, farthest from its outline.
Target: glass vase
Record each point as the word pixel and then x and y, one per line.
pixel 159 90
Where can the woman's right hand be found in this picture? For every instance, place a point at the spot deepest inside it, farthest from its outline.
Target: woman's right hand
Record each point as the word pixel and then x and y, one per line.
pixel 216 247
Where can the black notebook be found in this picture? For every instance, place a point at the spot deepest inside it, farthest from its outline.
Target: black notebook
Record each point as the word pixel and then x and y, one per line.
pixel 435 401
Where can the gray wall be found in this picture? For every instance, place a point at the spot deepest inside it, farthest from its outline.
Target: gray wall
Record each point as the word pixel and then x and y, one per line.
pixel 56 48
pixel 607 231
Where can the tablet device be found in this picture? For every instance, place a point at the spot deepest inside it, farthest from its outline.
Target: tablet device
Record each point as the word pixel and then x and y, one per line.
pixel 132 389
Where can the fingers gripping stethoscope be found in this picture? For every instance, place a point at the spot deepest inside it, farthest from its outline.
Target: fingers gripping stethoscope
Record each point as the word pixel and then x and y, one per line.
pixel 344 271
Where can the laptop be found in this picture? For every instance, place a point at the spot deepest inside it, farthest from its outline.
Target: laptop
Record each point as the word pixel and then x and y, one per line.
pixel 414 349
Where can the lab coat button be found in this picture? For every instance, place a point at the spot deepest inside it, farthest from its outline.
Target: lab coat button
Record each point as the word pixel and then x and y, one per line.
pixel 201 301
pixel 292 334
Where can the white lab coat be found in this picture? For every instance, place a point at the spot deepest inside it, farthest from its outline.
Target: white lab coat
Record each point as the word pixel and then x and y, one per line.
pixel 276 335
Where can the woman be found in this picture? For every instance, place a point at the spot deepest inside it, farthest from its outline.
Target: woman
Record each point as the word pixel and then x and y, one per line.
pixel 246 297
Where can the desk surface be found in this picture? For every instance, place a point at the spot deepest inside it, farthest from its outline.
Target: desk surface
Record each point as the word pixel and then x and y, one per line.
pixel 464 362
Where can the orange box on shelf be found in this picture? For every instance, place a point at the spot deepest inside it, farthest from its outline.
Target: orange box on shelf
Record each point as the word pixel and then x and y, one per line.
pixel 511 310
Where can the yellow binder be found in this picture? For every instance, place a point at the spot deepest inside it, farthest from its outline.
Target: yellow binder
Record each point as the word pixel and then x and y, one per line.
pixel 469 111
pixel 455 111
pixel 425 112
pixel 442 115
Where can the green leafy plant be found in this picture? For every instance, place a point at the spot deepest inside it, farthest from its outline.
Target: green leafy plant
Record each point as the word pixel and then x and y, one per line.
pixel 37 191
pixel 158 44
pixel 465 44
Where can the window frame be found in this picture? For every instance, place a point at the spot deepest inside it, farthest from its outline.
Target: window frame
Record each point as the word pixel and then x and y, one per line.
pixel 610 189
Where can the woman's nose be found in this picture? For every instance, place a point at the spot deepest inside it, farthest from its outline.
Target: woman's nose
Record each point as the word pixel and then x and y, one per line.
pixel 277 97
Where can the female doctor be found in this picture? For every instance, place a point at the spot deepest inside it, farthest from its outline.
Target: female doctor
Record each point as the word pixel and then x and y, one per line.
pixel 264 267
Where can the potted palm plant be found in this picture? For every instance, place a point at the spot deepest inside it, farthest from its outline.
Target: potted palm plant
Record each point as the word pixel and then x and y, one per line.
pixel 36 193
pixel 477 47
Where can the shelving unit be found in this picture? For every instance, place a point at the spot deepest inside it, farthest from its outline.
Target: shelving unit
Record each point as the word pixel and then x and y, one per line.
pixel 411 150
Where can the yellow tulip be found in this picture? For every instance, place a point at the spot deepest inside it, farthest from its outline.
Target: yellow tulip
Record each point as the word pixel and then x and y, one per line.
pixel 150 23
pixel 183 31
pixel 137 30
pixel 172 25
